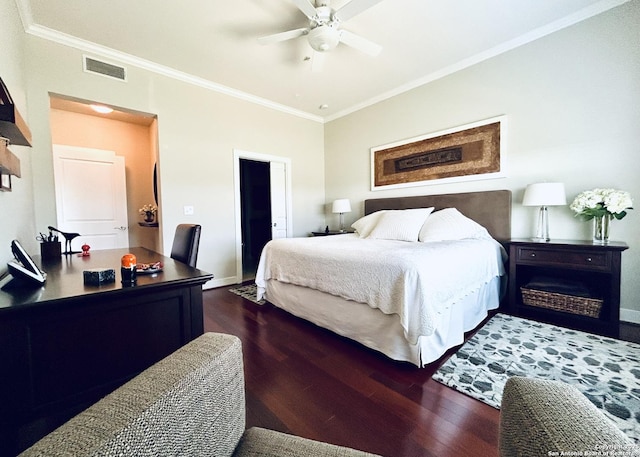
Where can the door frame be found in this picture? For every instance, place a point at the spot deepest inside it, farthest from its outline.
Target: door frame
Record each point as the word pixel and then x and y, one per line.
pixel 259 157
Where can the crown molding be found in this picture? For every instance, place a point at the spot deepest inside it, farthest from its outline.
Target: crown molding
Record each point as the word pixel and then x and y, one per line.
pixel 124 58
pixel 26 17
pixel 567 21
pixel 24 10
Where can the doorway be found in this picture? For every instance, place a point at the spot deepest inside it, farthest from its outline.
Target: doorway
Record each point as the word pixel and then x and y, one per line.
pixel 132 135
pixel 255 212
pixel 263 206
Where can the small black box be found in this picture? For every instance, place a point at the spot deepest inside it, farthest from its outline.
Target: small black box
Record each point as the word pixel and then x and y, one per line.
pixel 98 276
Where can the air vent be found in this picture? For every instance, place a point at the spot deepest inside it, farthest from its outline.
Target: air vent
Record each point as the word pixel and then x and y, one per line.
pixel 104 69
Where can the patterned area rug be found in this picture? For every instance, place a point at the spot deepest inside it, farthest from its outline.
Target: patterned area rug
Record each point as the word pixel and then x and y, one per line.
pixel 605 370
pixel 249 292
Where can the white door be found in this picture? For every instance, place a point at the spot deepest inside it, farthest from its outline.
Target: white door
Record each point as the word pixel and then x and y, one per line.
pixel 278 200
pixel 91 196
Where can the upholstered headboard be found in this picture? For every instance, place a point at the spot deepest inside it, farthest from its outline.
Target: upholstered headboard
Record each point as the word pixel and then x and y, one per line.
pixel 491 209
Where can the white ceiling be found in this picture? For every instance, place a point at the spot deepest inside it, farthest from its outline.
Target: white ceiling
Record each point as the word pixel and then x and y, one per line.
pixel 214 43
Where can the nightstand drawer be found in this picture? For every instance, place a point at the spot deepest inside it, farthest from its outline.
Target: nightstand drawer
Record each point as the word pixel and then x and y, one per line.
pixel 584 259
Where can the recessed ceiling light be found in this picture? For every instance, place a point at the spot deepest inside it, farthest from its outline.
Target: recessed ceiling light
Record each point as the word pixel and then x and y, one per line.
pixel 323 106
pixel 101 109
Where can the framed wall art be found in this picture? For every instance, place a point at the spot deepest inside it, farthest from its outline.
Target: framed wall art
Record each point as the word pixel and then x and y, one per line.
pixel 468 152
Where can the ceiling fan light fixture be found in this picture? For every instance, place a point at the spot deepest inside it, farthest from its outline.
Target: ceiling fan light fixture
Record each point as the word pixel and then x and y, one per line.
pixel 323 38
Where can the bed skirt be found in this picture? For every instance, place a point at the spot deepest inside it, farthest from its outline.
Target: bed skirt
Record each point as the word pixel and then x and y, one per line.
pixel 383 332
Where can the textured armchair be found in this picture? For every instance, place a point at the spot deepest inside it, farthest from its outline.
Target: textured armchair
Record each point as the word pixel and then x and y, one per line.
pixel 190 403
pixel 542 418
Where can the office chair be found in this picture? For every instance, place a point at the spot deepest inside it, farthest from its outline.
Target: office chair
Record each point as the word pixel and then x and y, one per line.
pixel 186 242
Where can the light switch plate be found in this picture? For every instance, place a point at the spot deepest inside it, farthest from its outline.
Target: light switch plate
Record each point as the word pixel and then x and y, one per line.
pixel 188 210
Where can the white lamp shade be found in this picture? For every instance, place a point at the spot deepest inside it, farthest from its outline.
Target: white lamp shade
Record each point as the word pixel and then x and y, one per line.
pixel 342 205
pixel 545 194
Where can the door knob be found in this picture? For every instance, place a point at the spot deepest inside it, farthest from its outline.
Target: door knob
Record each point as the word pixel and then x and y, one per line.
pixel 122 227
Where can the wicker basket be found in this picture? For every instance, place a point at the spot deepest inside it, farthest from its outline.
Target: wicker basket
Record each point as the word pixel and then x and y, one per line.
pixel 562 302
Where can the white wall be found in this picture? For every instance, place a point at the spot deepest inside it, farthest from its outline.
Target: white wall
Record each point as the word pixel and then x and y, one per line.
pixel 17 206
pixel 573 106
pixel 197 130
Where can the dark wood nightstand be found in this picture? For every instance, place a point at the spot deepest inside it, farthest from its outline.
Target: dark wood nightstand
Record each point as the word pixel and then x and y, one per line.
pixel 596 266
pixel 330 232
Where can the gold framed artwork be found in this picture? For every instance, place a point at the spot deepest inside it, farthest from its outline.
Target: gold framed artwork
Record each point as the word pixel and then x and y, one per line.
pixel 468 152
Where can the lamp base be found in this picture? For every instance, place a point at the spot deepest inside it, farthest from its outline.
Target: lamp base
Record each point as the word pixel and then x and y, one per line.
pixel 542 233
pixel 540 240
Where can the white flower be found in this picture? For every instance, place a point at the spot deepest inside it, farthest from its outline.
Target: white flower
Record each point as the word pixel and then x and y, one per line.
pixel 598 202
pixel 617 202
pixel 150 208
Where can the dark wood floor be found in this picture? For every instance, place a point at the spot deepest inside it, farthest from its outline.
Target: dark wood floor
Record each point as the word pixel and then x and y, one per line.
pixel 307 381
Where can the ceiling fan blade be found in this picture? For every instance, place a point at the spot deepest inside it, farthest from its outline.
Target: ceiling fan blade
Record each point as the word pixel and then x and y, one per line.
pixel 360 43
pixel 282 36
pixel 353 8
pixel 306 7
pixel 317 61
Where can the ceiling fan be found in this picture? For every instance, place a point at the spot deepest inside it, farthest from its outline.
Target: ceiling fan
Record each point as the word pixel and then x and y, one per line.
pixel 324 32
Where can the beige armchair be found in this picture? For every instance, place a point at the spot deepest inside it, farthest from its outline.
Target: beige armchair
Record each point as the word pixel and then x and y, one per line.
pixel 190 403
pixel 552 418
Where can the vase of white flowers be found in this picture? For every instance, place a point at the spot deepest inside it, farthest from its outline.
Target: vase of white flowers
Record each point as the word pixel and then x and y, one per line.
pixel 602 205
pixel 149 212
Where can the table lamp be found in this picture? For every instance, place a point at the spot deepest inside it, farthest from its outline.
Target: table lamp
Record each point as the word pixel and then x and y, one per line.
pixel 342 205
pixel 543 195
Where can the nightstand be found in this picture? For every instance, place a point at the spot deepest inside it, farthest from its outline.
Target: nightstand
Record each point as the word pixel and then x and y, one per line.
pixel 330 232
pixel 596 267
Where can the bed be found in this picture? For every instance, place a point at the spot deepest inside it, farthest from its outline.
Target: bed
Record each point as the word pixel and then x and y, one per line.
pixel 407 299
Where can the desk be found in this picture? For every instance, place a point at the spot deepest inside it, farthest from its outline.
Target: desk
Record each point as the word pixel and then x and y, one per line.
pixel 65 345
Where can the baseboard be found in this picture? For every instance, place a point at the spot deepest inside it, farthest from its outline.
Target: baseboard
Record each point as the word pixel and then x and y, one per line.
pixel 213 283
pixel 630 315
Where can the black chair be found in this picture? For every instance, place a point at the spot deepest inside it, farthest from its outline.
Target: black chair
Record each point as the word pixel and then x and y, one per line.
pixel 186 243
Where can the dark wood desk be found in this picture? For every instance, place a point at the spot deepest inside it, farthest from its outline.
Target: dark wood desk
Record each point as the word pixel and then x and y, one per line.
pixel 65 345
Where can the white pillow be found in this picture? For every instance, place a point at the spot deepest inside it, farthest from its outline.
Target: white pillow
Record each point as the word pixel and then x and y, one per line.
pixel 365 224
pixel 450 224
pixel 400 224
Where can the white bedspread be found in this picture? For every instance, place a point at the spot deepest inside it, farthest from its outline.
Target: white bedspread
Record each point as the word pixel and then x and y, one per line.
pixel 416 281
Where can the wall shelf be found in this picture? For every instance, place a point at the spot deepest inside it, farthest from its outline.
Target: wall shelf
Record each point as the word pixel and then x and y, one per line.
pixel 9 165
pixel 12 126
pixel 14 130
